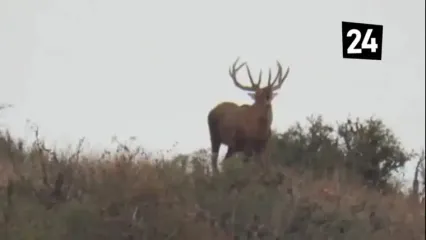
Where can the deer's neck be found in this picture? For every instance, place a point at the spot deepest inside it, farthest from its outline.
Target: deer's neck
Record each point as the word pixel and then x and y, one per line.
pixel 264 114
pixel 257 121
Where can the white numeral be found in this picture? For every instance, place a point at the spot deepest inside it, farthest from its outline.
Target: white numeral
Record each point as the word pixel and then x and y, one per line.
pixel 367 43
pixel 351 48
pixel 373 45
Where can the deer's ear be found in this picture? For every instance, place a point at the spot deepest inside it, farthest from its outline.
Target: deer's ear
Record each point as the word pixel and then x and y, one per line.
pixel 252 95
pixel 274 95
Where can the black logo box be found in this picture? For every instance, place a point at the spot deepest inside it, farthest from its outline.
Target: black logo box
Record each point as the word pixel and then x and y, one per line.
pixel 366 54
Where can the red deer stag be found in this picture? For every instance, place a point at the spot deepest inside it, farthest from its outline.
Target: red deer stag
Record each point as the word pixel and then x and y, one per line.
pixel 245 128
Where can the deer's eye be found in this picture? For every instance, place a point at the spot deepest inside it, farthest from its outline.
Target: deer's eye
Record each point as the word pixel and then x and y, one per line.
pixel 268 96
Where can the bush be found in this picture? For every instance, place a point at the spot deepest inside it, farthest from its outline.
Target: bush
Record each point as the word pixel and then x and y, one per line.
pixel 364 150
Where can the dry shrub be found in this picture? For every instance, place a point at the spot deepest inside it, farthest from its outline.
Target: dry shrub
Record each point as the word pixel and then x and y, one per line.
pixel 122 196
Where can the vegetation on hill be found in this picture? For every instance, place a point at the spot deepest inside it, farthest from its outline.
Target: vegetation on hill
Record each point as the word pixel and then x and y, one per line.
pixel 324 182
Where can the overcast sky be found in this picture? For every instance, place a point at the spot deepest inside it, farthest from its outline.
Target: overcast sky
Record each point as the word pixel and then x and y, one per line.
pixel 153 69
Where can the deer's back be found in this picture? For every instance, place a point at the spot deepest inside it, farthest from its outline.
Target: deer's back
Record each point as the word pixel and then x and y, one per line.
pixel 226 117
pixel 222 109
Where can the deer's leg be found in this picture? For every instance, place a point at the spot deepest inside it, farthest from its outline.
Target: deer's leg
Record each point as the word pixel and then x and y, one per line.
pixel 260 153
pixel 230 152
pixel 215 140
pixel 248 151
pixel 215 144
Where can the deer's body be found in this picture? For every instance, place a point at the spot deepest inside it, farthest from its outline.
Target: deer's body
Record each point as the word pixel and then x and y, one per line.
pixel 245 128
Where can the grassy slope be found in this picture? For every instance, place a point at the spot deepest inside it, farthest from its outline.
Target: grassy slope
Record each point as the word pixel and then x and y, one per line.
pixel 120 197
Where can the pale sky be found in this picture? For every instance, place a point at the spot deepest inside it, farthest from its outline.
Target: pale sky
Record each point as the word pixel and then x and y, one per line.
pixel 153 69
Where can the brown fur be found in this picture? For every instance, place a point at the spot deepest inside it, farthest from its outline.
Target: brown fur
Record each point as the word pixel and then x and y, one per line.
pixel 245 128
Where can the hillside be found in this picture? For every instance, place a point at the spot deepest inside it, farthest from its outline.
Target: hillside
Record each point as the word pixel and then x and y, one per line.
pixel 320 185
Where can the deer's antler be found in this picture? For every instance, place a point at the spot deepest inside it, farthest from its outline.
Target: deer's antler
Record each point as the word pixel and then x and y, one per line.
pixel 275 84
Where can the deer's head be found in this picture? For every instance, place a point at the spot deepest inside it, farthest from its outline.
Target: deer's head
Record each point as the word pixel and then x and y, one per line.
pixel 261 95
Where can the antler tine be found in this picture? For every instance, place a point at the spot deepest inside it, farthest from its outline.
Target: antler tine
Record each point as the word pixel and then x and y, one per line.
pixel 281 79
pixel 269 76
pixel 278 76
pixel 233 73
pixel 234 69
pixel 260 78
pixel 253 84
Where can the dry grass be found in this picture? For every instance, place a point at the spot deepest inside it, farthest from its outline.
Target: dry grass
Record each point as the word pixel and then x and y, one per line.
pixel 46 195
